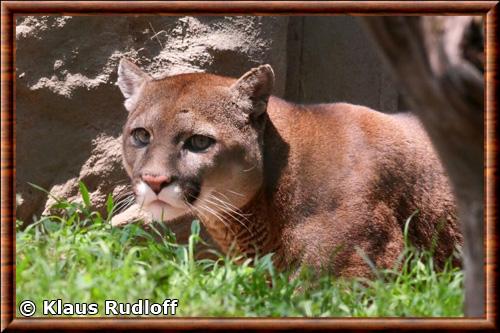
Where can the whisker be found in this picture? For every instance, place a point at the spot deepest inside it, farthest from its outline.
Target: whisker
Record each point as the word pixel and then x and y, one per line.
pixel 235 193
pixel 202 205
pixel 197 212
pixel 229 204
pixel 226 209
pixel 124 204
pixel 230 207
pixel 122 181
pixel 123 196
pixel 250 169
pixel 129 204
pixel 230 211
pixel 218 216
pixel 123 200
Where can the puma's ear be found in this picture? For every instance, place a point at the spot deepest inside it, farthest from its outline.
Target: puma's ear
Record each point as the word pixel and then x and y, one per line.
pixel 130 80
pixel 256 84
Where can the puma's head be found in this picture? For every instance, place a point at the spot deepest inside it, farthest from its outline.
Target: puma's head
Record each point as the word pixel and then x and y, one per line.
pixel 194 141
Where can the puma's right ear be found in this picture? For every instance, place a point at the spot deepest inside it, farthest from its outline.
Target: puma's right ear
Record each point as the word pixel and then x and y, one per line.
pixel 256 84
pixel 130 80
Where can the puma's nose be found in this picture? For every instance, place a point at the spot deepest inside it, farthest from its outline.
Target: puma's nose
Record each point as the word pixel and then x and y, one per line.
pixel 157 183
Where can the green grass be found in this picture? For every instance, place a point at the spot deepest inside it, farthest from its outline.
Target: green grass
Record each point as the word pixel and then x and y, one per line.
pixel 78 257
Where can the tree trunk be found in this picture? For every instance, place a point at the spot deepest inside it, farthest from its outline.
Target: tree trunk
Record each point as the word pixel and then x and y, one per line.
pixel 439 64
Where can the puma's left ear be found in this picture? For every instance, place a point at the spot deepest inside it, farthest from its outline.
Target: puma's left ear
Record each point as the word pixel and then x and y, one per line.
pixel 130 80
pixel 256 84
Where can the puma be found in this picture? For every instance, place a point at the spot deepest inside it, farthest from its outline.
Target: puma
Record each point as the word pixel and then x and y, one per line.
pixel 325 185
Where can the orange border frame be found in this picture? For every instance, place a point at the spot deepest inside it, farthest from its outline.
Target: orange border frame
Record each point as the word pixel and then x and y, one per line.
pixel 488 9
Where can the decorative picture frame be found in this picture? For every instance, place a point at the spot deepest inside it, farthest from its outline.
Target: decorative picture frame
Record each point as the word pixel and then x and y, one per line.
pixel 487 9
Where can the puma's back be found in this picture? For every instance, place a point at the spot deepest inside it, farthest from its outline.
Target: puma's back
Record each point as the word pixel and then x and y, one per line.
pixel 324 185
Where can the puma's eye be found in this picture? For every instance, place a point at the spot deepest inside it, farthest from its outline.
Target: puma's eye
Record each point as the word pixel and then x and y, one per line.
pixel 198 143
pixel 141 136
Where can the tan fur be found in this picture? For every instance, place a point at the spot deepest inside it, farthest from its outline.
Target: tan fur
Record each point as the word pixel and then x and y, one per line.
pixel 316 184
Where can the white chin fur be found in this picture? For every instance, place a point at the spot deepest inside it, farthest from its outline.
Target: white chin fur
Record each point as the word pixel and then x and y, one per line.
pixel 164 212
pixel 165 206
